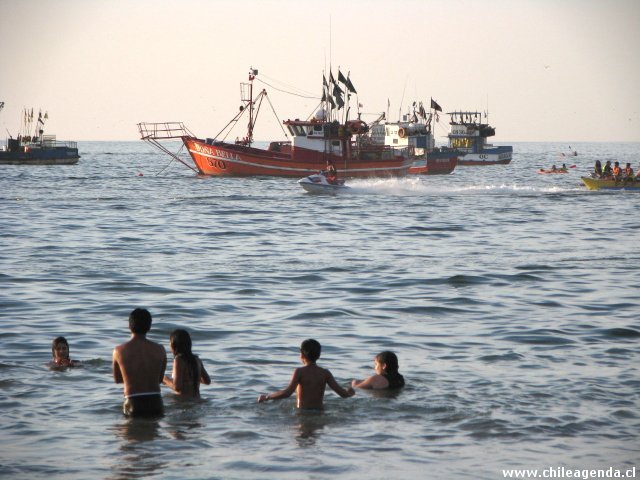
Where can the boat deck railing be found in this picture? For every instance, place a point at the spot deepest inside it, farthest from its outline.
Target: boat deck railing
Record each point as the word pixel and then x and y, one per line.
pixel 46 141
pixel 163 131
pixel 155 133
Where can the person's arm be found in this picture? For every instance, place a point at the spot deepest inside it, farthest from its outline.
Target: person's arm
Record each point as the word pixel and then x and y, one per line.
pixel 373 382
pixel 286 393
pixel 335 386
pixel 164 365
pixel 176 381
pixel 115 366
pixel 204 376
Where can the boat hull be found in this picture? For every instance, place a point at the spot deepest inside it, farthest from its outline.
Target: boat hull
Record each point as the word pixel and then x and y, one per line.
pixel 40 156
pixel 608 184
pixel 226 159
pixel 436 163
pixel 488 156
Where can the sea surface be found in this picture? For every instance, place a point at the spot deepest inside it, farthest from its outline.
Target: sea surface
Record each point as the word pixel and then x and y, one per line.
pixel 511 298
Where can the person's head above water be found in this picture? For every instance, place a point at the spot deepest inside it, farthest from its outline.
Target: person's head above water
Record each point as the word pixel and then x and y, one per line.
pixel 60 348
pixel 140 321
pixel 180 342
pixel 310 349
pixel 389 361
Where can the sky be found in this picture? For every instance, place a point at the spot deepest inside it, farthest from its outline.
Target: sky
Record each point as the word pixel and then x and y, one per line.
pixel 545 70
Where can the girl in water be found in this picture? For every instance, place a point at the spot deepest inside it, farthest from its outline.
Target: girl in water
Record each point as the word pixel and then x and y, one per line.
pixel 387 375
pixel 188 370
pixel 60 352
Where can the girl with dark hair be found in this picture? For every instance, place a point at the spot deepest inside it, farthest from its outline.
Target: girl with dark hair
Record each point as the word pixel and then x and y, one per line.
pixel 60 352
pixel 387 375
pixel 188 370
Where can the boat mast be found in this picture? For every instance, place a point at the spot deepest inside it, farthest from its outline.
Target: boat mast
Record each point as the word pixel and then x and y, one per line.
pixel 252 74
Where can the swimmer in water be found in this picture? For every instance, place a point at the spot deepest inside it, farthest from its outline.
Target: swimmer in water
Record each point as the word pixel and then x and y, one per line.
pixel 387 375
pixel 188 370
pixel 60 352
pixel 310 381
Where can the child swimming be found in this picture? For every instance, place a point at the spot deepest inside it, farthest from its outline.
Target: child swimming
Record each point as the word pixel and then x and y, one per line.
pixel 387 375
pixel 310 381
pixel 60 352
pixel 188 370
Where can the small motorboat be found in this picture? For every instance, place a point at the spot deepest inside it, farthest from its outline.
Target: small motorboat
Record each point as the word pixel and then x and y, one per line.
pixel 318 183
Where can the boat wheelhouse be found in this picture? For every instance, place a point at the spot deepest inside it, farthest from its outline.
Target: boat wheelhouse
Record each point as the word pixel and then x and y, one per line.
pixel 468 133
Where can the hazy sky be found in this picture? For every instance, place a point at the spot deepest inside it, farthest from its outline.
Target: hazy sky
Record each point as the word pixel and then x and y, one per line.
pixel 548 70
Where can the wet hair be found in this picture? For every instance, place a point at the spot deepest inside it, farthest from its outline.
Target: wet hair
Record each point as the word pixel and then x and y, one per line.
pixel 389 360
pixel 140 320
pixel 311 349
pixel 181 344
pixel 58 341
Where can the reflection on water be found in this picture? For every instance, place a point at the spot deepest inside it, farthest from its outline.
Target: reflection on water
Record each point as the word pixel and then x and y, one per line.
pixel 308 425
pixel 135 460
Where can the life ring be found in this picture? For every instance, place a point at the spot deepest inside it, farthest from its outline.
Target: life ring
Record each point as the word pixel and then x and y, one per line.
pixel 402 132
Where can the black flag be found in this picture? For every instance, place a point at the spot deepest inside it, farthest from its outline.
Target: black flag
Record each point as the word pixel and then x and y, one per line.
pixel 435 106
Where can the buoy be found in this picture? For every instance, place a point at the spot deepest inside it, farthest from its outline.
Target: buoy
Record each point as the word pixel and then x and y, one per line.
pixel 140 174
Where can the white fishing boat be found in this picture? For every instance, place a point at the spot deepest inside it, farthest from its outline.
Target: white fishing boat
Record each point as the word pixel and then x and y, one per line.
pixel 414 131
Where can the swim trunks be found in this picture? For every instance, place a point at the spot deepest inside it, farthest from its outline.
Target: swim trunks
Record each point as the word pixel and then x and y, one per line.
pixel 143 405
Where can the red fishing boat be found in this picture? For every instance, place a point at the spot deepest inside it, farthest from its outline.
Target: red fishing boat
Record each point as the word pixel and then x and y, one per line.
pixel 313 142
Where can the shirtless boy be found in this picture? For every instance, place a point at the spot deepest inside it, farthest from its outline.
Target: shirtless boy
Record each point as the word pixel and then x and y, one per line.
pixel 140 365
pixel 309 382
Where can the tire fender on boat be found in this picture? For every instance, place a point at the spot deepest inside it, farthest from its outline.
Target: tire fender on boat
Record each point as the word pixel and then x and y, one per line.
pixel 357 127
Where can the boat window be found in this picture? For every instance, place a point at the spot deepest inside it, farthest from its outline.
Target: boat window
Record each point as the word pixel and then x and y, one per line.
pixel 297 130
pixel 461 143
pixel 335 143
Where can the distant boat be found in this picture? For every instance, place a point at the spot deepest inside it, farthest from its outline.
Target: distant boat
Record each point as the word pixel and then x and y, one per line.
pixel 469 134
pixel 414 131
pixel 37 149
pixel 610 184
pixel 322 138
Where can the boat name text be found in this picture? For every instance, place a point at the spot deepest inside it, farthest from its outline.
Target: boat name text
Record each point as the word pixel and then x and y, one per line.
pixel 222 154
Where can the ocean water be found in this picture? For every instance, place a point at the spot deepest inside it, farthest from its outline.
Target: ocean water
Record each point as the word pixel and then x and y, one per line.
pixel 512 300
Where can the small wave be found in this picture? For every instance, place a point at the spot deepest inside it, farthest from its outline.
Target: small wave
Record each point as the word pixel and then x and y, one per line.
pixel 621 333
pixel 504 357
pixel 539 337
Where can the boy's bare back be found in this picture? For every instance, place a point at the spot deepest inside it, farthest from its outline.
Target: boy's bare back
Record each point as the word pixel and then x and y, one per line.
pixel 309 383
pixel 140 365
pixel 312 381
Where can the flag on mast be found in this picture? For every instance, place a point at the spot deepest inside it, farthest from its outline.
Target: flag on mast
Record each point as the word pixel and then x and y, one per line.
pixel 435 106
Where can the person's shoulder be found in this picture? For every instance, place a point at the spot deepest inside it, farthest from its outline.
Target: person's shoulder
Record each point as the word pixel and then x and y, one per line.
pixel 324 371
